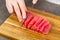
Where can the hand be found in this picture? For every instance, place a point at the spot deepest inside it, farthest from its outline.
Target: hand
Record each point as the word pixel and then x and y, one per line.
pixel 18 6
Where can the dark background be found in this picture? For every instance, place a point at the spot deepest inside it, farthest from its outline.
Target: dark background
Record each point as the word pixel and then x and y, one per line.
pixel 41 5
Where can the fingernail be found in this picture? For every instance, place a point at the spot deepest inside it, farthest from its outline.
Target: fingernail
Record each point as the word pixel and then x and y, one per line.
pixel 34 1
pixel 24 17
pixel 20 20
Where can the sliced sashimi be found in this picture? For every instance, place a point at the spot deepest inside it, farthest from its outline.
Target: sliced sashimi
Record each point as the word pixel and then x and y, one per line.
pixel 34 27
pixel 28 19
pixel 38 27
pixel 43 26
pixel 47 29
pixel 32 22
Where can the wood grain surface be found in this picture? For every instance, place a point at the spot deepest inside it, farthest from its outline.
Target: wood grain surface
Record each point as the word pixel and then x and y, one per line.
pixel 12 27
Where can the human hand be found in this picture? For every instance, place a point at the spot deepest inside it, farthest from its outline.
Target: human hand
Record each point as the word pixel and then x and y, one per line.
pixel 18 6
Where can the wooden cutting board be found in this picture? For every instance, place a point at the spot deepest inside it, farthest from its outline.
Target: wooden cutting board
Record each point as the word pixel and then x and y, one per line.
pixel 12 28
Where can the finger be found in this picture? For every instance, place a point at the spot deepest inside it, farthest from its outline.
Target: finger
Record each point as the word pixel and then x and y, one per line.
pixel 17 10
pixel 9 6
pixel 34 1
pixel 23 8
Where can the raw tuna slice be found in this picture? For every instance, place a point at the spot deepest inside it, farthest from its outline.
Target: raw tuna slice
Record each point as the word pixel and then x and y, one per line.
pixel 34 27
pixel 47 28
pixel 28 19
pixel 32 22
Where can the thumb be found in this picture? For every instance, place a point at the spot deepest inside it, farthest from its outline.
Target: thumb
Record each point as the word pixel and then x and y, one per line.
pixel 34 1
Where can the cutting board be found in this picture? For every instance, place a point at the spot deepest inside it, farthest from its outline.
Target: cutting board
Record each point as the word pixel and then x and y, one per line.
pixel 12 27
